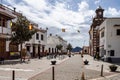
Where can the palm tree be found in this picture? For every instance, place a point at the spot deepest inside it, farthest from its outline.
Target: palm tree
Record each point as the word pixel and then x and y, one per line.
pixel 69 48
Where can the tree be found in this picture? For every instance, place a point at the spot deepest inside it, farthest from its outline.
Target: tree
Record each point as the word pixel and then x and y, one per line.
pixel 69 47
pixel 59 47
pixel 22 32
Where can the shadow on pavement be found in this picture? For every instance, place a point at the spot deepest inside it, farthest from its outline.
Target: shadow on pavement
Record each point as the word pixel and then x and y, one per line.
pixel 13 62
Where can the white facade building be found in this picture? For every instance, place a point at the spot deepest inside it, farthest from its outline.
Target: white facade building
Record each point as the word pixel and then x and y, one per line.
pixel 53 41
pixel 36 45
pixel 110 39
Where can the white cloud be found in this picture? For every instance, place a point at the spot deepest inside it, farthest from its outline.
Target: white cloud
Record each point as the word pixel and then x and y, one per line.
pixel 37 4
pixel 112 12
pixel 57 16
pixel 97 1
pixel 83 6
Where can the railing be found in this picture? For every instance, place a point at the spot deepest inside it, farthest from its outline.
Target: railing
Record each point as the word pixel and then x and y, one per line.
pixel 4 30
pixel 6 8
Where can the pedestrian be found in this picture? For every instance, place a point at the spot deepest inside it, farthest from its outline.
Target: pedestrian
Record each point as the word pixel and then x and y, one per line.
pixel 28 55
pixel 23 54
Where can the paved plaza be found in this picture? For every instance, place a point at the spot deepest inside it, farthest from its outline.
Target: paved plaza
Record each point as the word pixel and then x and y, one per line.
pixel 72 69
pixel 23 71
pixel 65 69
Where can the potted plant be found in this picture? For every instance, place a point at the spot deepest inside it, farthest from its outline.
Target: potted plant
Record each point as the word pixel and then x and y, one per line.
pixel 53 62
pixel 113 67
pixel 86 62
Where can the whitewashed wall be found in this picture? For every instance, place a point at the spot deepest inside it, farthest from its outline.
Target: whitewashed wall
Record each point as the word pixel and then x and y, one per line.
pixel 110 40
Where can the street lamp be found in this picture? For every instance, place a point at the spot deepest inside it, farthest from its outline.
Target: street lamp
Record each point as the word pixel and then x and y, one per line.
pixel 30 26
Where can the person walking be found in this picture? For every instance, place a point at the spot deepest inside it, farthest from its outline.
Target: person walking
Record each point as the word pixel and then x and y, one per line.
pixel 28 55
pixel 23 54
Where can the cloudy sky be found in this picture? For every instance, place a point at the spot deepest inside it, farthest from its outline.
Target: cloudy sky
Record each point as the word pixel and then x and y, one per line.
pixel 72 15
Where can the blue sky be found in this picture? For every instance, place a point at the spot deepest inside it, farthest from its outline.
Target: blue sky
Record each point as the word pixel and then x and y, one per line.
pixel 73 15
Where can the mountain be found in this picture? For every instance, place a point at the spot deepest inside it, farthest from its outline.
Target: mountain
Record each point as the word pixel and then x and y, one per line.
pixel 76 49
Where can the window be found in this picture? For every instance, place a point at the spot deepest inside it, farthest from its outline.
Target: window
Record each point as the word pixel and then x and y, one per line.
pixel 97 49
pixel 13 47
pixel 41 37
pixel 2 45
pixel 112 52
pixel 3 22
pixel 102 34
pixel 49 50
pixel 118 32
pixel 37 36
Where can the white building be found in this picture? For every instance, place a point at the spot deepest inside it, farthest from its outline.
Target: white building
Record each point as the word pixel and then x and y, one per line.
pixel 37 44
pixel 53 41
pixel 110 39
pixel 6 15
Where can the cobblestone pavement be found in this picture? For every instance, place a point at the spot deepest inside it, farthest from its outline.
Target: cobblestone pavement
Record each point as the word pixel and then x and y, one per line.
pixel 71 69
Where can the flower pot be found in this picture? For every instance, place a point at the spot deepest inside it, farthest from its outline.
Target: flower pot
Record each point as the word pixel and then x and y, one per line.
pixel 53 62
pixel 113 68
pixel 86 62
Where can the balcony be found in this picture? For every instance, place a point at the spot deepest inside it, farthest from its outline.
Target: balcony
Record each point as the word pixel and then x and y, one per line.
pixel 6 11
pixel 4 30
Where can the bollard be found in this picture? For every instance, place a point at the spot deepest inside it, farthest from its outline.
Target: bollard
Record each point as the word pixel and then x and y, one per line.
pixel 102 70
pixel 82 76
pixel 53 73
pixel 13 75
